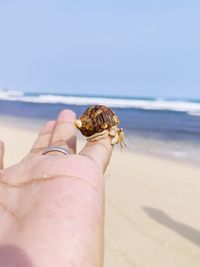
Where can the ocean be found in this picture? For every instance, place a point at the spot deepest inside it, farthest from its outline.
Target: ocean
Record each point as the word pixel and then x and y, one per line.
pixel 163 126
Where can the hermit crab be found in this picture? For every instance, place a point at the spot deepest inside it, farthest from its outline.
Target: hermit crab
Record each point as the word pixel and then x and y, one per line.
pixel 98 122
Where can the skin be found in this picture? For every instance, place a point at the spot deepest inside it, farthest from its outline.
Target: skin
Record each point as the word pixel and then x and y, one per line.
pixel 52 206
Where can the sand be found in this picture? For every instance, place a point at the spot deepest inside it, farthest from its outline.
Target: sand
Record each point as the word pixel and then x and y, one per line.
pixel 152 204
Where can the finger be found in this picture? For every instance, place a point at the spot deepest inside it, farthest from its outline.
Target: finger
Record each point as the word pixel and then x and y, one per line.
pixel 44 137
pixel 1 154
pixel 64 134
pixel 99 151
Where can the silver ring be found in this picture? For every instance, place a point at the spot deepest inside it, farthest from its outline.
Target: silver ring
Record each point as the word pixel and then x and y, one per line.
pixel 55 148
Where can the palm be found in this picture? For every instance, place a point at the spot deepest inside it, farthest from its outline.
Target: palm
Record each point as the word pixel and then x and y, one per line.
pixel 54 191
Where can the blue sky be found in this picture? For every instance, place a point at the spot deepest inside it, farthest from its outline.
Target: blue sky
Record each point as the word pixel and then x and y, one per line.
pixel 138 48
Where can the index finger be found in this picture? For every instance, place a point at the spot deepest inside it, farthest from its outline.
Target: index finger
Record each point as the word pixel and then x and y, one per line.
pixel 64 133
pixel 99 151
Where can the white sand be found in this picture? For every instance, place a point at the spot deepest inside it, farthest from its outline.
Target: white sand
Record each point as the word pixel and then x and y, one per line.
pixel 152 205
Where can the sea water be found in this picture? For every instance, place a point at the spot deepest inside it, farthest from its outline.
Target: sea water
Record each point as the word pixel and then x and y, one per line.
pixel 164 126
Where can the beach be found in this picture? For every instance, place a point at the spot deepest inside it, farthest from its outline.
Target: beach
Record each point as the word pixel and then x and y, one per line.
pixel 152 215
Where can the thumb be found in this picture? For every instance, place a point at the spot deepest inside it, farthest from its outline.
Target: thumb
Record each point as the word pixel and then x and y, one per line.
pixel 1 154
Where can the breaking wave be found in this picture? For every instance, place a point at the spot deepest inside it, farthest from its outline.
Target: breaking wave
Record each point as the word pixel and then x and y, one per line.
pixel 190 107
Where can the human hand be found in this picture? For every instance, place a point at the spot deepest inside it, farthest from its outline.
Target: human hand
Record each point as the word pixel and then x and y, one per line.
pixel 52 206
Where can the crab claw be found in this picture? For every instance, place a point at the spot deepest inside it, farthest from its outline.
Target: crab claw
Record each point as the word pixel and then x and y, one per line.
pixel 78 124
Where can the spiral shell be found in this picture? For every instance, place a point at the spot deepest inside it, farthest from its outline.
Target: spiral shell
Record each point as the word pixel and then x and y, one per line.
pixel 96 119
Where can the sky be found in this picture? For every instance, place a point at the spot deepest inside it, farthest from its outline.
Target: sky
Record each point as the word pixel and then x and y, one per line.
pixel 107 47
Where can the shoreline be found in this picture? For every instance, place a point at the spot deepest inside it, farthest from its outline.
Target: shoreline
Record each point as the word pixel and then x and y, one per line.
pixel 135 147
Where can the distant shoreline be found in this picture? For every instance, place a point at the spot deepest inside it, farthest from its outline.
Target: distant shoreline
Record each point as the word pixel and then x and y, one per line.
pixel 179 151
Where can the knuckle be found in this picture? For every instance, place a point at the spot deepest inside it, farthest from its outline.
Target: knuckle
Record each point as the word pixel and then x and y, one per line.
pixel 59 142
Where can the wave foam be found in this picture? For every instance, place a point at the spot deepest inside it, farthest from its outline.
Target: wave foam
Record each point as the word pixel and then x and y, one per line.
pixel 192 108
pixel 194 113
pixel 6 94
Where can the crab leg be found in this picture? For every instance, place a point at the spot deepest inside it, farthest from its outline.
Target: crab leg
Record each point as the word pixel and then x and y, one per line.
pixel 98 136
